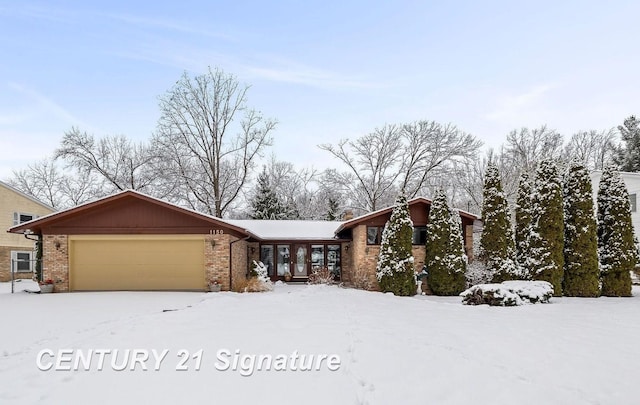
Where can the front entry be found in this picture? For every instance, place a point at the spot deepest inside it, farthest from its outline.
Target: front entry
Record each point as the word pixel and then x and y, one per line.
pixel 300 261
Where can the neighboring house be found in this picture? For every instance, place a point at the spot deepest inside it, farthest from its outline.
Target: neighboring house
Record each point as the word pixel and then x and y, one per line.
pixel 632 181
pixel 131 241
pixel 16 250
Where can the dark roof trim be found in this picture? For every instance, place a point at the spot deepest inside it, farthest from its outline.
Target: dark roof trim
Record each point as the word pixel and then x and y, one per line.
pixel 38 223
pixel 355 221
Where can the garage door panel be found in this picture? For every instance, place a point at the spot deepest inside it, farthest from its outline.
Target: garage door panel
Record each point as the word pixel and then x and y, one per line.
pixel 137 264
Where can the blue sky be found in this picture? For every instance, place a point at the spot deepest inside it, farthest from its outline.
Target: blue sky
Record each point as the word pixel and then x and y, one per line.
pixel 325 70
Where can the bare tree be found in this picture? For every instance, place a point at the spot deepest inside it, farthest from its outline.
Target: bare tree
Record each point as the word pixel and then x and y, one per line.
pixel 595 149
pixel 60 189
pixel 430 147
pixel 395 158
pixel 525 148
pixel 120 162
pixel 374 162
pixel 208 139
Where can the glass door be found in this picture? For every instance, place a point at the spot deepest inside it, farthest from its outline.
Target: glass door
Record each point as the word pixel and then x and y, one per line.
pixel 282 260
pixel 300 265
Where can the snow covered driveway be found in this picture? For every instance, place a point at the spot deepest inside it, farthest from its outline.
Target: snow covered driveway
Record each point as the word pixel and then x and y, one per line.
pixel 392 350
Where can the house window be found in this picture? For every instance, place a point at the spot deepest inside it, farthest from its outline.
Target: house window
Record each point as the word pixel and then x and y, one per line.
pixel 374 235
pixel 317 257
pixel 266 257
pixel 632 202
pixel 21 218
pixel 419 235
pixel 22 262
pixel 333 260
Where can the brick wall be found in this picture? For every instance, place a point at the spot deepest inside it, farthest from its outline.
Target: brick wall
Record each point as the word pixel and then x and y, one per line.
pixel 216 258
pixel 5 263
pixel 364 258
pixel 55 261
pixel 240 263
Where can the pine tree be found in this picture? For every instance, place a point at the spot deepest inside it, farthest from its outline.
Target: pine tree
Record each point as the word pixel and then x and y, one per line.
pixel 581 272
pixel 628 157
pixel 394 270
pixel 523 223
pixel 546 239
pixel 497 236
pixel 333 209
pixel 445 257
pixel 616 249
pixel 265 203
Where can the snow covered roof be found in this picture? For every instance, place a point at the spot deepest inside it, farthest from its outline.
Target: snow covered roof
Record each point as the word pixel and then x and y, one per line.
pixel 288 230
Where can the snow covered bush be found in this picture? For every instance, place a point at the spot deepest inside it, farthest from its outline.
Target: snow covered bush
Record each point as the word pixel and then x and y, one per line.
pixel 508 293
pixel 581 272
pixel 523 223
pixel 321 276
pixel 616 247
pixel 257 282
pixel 497 236
pixel 445 258
pixel 394 270
pixel 362 279
pixel 546 236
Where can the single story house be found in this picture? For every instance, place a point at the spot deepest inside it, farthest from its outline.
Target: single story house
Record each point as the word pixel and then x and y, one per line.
pixel 132 241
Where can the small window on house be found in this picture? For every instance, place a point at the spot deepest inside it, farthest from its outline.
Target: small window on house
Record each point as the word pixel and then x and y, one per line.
pixel 333 260
pixel 374 235
pixel 632 202
pixel 419 235
pixel 20 218
pixel 22 262
pixel 266 257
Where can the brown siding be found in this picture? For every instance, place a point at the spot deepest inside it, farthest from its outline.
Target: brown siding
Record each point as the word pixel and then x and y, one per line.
pixel 133 216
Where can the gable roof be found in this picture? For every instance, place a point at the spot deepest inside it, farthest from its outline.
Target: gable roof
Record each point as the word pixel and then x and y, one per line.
pixel 27 196
pixel 36 225
pixel 417 200
pixel 288 230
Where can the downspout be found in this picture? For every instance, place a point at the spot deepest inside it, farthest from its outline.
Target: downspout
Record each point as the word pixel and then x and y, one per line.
pixel 39 248
pixel 231 259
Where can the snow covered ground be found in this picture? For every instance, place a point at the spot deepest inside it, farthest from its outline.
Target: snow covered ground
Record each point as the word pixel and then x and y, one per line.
pixel 421 350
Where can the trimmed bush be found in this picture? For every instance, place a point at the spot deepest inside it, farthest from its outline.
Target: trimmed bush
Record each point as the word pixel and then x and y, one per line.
pixel 581 272
pixel 508 293
pixel 394 270
pixel 618 255
pixel 445 258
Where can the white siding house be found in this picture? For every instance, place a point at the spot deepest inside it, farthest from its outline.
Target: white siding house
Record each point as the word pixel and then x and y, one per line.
pixel 632 181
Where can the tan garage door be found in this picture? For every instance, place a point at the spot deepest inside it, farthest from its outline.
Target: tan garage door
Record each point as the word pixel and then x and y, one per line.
pixel 136 263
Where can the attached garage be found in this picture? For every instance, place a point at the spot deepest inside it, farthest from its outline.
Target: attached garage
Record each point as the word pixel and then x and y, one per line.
pixel 132 241
pixel 132 262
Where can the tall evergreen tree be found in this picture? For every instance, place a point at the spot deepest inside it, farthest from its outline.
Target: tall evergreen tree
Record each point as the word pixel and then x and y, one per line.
pixel 616 249
pixel 581 272
pixel 395 270
pixel 445 259
pixel 333 209
pixel 546 239
pixel 497 236
pixel 523 223
pixel 628 157
pixel 265 203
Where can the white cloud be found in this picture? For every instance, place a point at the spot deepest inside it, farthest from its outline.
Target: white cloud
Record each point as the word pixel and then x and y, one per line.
pixel 518 109
pixel 46 103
